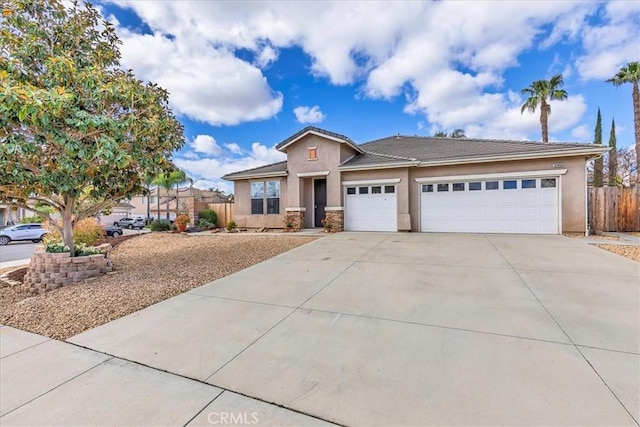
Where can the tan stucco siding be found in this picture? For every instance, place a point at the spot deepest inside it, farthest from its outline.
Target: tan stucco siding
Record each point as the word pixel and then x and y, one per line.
pixel 242 215
pixel 328 159
pixel 572 185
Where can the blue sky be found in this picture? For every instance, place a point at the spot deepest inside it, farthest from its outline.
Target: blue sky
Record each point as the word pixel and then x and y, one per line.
pixel 245 75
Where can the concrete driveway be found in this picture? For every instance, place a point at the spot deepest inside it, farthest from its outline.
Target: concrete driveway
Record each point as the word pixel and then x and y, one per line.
pixel 410 329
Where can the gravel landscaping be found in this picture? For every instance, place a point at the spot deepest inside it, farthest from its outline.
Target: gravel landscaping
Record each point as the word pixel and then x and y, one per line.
pixel 627 251
pixel 149 268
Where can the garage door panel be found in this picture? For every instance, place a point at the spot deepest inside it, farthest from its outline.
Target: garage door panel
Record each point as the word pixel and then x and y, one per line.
pixel 371 212
pixel 527 208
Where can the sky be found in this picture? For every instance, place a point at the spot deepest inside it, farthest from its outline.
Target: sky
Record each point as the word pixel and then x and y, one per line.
pixel 243 76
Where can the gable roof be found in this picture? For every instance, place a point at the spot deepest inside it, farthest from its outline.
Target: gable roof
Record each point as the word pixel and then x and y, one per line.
pixel 319 132
pixel 400 150
pixel 426 151
pixel 274 169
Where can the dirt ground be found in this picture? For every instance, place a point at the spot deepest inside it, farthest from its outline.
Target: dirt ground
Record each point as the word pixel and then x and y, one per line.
pixel 149 268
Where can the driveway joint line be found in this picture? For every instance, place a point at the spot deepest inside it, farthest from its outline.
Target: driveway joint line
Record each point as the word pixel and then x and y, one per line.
pixel 203 382
pixel 431 325
pixel 565 332
pixel 204 407
pixel 62 383
pixel 295 309
pixel 608 349
pixel 27 348
pixel 242 300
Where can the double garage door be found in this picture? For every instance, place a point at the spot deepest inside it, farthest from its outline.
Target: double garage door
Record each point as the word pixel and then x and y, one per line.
pixel 510 205
pixel 527 205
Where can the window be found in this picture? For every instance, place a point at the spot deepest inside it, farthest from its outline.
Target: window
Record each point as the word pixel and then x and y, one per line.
pixel 528 183
pixel 351 190
pixel 152 199
pixel 313 153
pixel 363 190
pixel 376 190
pixel 548 183
pixel 443 187
pixel 458 186
pixel 491 185
pixel 257 198
pixel 265 194
pixel 389 189
pixel 510 185
pixel 475 186
pixel 273 197
pixel 427 188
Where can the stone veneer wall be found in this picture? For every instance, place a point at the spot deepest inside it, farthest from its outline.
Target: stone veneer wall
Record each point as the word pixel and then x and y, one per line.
pixel 297 219
pixel 48 271
pixel 336 219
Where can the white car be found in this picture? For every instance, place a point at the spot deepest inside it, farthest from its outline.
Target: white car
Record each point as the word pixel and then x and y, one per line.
pixel 33 232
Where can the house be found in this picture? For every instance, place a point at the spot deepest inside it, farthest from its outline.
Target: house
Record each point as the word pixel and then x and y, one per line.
pixel 412 183
pixel 191 201
pixel 12 214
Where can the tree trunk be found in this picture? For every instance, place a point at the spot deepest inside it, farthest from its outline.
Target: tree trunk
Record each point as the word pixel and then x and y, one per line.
pixel 67 225
pixel 544 121
pixel 636 122
pixel 148 202
pixel 158 202
pixel 177 198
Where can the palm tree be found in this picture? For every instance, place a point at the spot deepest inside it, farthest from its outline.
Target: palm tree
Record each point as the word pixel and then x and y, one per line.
pixel 456 134
pixel 631 74
pixel 540 93
pixel 167 181
pixel 148 181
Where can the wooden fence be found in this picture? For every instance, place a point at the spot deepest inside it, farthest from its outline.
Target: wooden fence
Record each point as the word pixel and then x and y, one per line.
pixel 614 209
pixel 224 211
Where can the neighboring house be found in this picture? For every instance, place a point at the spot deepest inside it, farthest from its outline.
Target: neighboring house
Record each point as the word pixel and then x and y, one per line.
pixel 412 183
pixel 16 214
pixel 191 201
pixel 118 211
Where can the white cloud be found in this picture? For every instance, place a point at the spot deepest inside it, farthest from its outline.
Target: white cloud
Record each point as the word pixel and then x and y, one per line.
pixel 446 58
pixel 234 148
pixel 210 170
pixel 308 114
pixel 206 144
pixel 582 133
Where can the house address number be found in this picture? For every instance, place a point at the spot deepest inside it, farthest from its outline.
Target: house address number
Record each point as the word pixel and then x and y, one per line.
pixel 558 165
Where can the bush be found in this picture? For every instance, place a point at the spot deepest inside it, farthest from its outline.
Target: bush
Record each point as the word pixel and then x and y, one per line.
pixel 56 247
pixel 182 219
pixel 84 250
pixel 160 225
pixel 87 232
pixel 210 216
pixel 206 225
pixel 31 219
pixel 231 225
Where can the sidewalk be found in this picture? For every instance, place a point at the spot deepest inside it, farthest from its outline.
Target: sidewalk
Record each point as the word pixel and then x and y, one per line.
pixel 15 263
pixel 49 382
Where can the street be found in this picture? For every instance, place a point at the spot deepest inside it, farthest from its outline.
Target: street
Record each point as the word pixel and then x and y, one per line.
pixel 22 250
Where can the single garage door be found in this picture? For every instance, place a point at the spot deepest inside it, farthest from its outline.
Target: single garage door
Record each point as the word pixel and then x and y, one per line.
pixel 527 205
pixel 371 208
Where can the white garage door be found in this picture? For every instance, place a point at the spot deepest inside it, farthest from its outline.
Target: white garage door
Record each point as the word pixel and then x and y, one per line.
pixel 527 205
pixel 371 208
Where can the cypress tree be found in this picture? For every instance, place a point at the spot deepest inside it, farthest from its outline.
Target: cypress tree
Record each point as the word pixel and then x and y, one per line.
pixel 598 164
pixel 613 160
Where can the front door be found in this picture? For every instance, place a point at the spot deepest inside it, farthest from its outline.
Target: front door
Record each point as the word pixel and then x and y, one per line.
pixel 320 200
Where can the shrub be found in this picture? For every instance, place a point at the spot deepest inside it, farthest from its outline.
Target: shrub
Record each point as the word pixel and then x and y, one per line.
pixel 56 247
pixel 182 219
pixel 231 225
pixel 84 250
pixel 160 225
pixel 87 232
pixel 31 219
pixel 210 216
pixel 205 225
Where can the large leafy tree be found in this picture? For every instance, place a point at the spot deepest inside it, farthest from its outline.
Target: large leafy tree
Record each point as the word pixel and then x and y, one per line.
pixel 77 133
pixel 598 163
pixel 539 93
pixel 631 74
pixel 613 161
pixel 457 134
